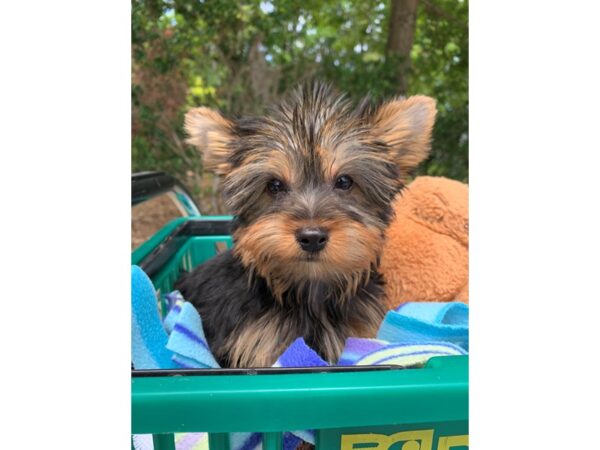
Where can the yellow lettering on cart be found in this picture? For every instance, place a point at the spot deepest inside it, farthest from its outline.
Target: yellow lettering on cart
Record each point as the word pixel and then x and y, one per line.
pixel 413 440
pixel 448 442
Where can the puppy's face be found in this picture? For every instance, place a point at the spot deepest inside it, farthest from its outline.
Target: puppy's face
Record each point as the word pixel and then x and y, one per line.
pixel 312 184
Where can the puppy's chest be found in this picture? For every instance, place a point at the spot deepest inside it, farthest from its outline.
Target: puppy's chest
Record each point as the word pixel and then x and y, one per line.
pixel 246 326
pixel 260 340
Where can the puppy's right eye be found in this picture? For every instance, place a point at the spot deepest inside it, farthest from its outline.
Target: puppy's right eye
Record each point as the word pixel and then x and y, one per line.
pixel 275 187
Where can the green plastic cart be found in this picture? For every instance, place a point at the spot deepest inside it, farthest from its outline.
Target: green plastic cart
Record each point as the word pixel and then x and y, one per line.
pixel 377 407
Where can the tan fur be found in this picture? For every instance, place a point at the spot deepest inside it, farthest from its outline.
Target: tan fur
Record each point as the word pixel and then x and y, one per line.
pixel 275 162
pixel 369 324
pixel 210 132
pixel 254 345
pixel 406 125
pixel 269 248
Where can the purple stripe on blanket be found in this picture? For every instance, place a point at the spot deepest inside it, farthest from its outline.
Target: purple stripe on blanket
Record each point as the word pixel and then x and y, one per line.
pixel 356 348
pixel 290 441
pixel 252 442
pixel 184 364
pixel 300 355
pixel 362 345
pixel 190 334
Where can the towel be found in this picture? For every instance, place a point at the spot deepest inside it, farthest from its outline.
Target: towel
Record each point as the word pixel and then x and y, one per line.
pixel 419 322
pixel 148 336
pixel 298 354
pixel 187 340
pixel 367 352
pixel 174 301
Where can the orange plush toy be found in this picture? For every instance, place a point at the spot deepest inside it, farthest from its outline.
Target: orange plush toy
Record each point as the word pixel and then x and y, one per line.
pixel 426 256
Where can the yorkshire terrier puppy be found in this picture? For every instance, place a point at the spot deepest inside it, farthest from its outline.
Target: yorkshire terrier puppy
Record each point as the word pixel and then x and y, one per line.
pixel 311 187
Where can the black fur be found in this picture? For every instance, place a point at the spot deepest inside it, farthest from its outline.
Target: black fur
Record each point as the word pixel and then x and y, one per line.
pixel 220 291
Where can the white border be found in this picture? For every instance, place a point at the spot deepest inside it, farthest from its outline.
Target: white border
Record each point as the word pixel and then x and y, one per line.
pixel 534 224
pixel 65 149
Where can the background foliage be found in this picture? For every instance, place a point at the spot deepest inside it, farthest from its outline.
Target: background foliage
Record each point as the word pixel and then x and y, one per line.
pixel 239 56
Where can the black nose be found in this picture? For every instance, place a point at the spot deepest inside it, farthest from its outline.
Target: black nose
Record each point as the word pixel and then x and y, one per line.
pixel 312 239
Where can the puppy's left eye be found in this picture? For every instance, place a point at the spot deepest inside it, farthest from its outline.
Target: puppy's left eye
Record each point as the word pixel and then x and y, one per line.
pixel 344 183
pixel 275 187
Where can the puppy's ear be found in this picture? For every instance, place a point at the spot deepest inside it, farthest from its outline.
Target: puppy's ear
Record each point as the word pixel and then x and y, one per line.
pixel 405 125
pixel 212 134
